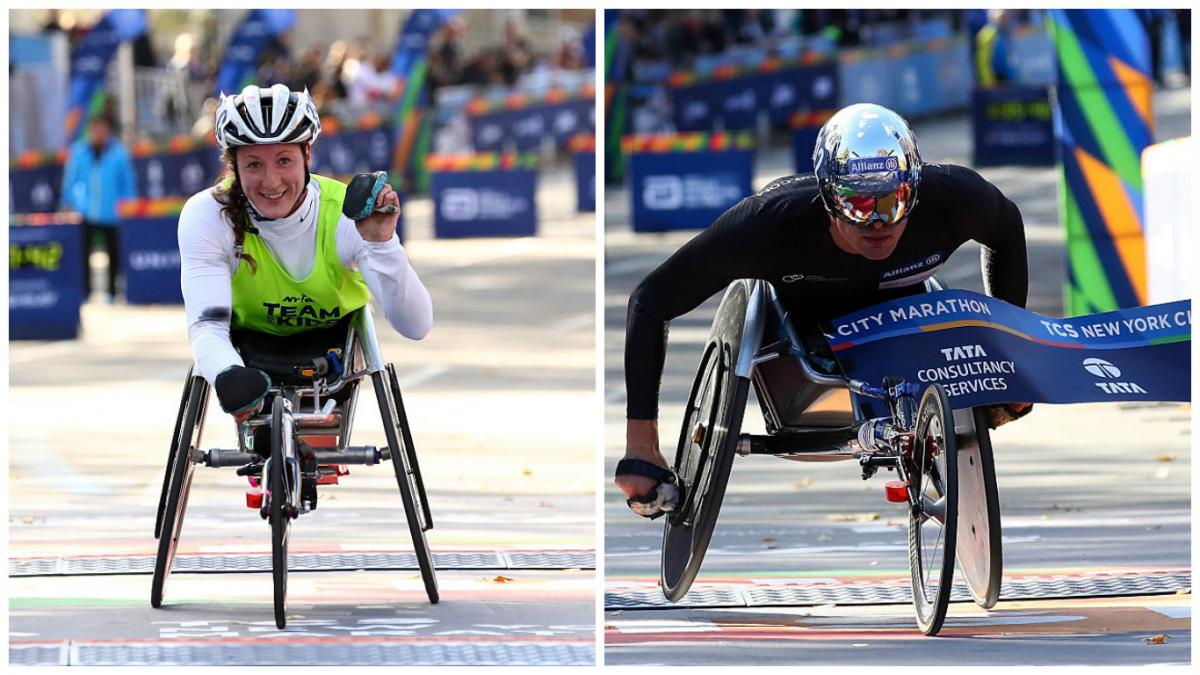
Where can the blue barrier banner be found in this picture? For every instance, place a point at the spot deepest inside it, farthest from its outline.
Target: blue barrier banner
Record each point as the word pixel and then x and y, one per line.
pixel 696 107
pixel 45 282
pixel 490 132
pixel 787 92
pixel 349 152
pixel 738 102
pixel 529 125
pixel 570 119
pixel 804 140
pixel 253 34
pixel 985 351
pixel 150 260
pixel 484 203
pixel 927 78
pixel 90 59
pixel 177 174
pixel 686 191
pixel 585 181
pixel 35 190
pixel 1012 125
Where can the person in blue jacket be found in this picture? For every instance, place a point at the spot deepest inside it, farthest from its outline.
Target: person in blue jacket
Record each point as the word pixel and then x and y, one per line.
pixel 98 174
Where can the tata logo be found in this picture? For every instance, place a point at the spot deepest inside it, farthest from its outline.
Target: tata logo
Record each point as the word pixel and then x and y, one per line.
pixel 1101 368
pixel 1107 371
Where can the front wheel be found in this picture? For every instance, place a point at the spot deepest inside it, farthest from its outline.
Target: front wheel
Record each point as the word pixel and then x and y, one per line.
pixel 933 518
pixel 277 485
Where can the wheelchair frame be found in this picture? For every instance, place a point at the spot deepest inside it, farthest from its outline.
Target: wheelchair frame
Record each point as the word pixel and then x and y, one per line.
pixel 292 430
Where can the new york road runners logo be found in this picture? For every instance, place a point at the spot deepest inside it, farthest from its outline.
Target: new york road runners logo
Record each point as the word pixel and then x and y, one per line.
pixel 301 312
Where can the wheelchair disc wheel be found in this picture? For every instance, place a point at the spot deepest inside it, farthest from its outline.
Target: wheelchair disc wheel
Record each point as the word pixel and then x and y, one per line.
pixel 162 497
pixel 281 523
pixel 707 441
pixel 404 480
pixel 979 554
pixel 932 523
pixel 180 470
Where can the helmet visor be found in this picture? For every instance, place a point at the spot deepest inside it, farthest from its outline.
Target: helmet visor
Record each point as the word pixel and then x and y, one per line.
pixel 863 209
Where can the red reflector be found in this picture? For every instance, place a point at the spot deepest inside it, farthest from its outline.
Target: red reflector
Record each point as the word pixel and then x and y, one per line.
pixel 254 498
pixel 896 491
pixel 343 470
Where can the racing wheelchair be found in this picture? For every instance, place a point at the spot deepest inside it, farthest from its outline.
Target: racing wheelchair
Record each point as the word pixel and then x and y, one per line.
pixel 942 457
pixel 306 422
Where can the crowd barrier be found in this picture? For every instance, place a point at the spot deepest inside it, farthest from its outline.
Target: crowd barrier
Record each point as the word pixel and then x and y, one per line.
pixel 583 160
pixel 684 181
pixel 45 276
pixel 483 195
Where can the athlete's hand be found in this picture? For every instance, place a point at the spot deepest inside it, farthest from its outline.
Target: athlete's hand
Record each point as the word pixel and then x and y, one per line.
pixel 381 226
pixel 1003 413
pixel 641 442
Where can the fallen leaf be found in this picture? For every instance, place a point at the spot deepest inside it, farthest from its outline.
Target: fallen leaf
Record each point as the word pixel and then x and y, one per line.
pixel 502 579
pixel 768 539
pixel 851 517
pixel 1159 639
pixel 1045 516
pixel 526 472
pixel 1162 473
pixel 804 483
pixel 1165 458
pixel 1183 591
pixel 824 537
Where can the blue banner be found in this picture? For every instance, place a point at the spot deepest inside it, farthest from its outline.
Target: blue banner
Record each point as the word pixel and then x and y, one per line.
pixel 524 129
pixel 585 181
pixel 45 282
pixel 150 260
pixel 35 190
pixel 177 174
pixel 253 34
pixel 804 141
pixel 413 42
pixel 1012 125
pixel 90 59
pixel 695 107
pixel 686 191
pixel 484 203
pixel 350 152
pixel 985 351
pixel 738 101
pixel 925 78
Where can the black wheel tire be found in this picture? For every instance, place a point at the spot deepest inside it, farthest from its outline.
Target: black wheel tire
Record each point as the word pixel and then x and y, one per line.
pixel 278 515
pixel 936 460
pixel 404 480
pixel 707 441
pixel 410 449
pixel 180 469
pixel 979 552
pixel 170 463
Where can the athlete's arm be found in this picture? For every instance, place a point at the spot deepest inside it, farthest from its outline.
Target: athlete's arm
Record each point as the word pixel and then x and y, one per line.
pixel 207 264
pixel 724 252
pixel 998 226
pixel 391 279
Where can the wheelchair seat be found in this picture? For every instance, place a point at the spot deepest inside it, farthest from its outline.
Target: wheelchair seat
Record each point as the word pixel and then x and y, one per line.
pixel 279 355
pixel 788 398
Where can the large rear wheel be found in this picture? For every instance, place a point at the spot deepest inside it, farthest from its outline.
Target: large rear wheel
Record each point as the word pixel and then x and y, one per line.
pixel 980 558
pixel 707 444
pixel 189 429
pixel 406 481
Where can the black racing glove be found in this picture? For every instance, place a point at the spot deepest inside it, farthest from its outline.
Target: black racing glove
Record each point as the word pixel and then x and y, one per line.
pixel 240 388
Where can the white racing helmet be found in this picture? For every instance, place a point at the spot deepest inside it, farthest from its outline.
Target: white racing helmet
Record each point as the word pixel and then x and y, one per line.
pixel 261 116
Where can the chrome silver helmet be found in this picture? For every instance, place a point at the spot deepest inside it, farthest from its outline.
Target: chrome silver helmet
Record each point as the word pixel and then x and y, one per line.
pixel 260 116
pixel 867 165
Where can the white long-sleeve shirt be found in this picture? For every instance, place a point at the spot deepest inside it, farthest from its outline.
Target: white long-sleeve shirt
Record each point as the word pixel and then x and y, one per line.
pixel 208 261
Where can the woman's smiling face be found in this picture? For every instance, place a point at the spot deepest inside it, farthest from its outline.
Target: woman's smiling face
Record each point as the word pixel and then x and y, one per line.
pixel 272 176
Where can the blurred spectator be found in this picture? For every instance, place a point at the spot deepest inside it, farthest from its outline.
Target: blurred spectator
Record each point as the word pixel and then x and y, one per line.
pixel 1183 21
pixel 310 71
pixel 991 49
pixel 184 59
pixel 99 173
pixel 446 56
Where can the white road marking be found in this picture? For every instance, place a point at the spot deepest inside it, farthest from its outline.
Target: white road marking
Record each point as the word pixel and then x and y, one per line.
pixel 422 374
pixel 573 323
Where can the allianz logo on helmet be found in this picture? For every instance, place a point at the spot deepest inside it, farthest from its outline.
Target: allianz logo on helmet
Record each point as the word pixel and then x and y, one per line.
pixel 872 164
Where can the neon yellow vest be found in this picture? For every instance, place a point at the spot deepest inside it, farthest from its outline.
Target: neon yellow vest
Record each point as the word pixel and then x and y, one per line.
pixel 269 300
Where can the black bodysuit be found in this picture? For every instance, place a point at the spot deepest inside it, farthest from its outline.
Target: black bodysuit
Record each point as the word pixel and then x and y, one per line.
pixel 781 235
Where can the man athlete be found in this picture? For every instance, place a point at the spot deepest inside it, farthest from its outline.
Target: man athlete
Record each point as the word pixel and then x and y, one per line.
pixel 847 237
